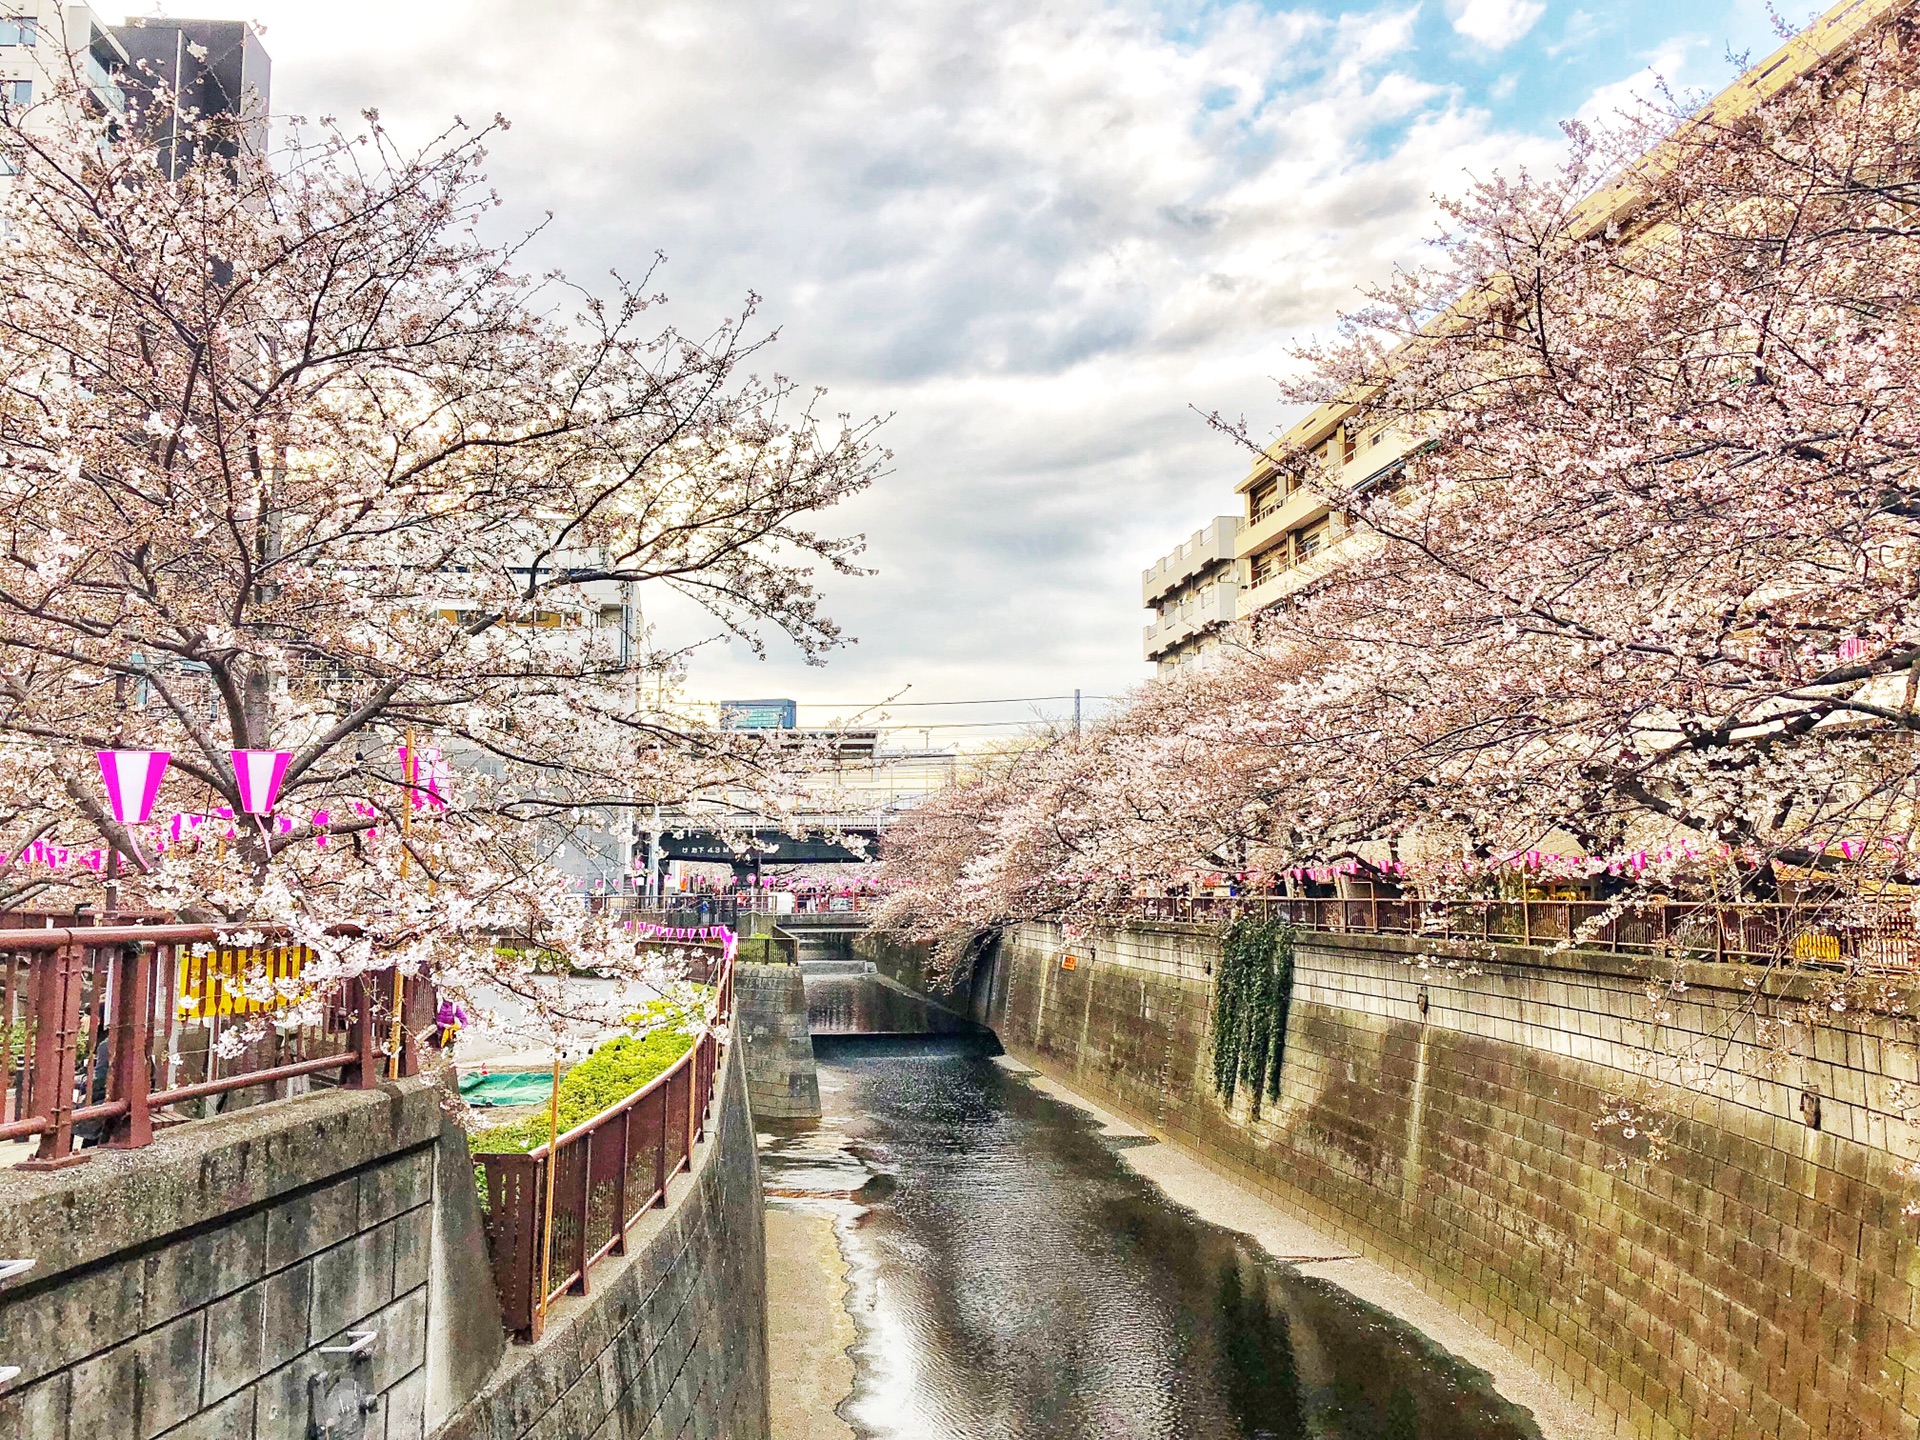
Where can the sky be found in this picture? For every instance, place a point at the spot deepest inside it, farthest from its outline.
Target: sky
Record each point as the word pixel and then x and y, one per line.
pixel 1044 237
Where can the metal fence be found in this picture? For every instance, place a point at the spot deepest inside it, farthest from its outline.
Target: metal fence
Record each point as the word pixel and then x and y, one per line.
pixel 106 1031
pixel 606 1174
pixel 1874 937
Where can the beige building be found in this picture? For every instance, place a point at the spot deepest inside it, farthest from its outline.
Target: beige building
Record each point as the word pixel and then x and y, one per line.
pixel 1289 534
pixel 1194 594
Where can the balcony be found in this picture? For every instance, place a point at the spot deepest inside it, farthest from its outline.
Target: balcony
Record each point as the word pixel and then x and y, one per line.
pixel 1274 522
pixel 1289 578
pixel 1207 609
pixel 1213 545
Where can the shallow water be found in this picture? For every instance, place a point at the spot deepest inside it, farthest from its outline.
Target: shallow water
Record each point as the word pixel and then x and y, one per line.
pixel 1012 1278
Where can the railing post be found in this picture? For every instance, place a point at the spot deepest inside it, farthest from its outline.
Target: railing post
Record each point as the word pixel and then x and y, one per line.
pixel 620 1184
pixel 363 1073
pixel 130 1068
pixel 583 1212
pixel 693 1100
pixel 55 1056
pixel 665 1092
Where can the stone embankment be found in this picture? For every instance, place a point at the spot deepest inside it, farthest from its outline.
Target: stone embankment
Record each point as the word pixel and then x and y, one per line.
pixel 770 1015
pixel 1462 1118
pixel 212 1285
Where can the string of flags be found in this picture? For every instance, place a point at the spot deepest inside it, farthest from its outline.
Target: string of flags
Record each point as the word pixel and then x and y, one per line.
pixel 132 780
pixel 729 942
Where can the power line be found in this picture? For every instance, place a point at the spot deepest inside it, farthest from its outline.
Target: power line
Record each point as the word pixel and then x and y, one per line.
pixel 903 704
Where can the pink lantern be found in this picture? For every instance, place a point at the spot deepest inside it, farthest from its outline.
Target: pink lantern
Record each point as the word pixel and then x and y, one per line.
pixel 133 781
pixel 258 773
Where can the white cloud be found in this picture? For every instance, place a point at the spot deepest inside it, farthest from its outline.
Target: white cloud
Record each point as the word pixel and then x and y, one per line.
pixel 1665 67
pixel 1495 23
pixel 1037 235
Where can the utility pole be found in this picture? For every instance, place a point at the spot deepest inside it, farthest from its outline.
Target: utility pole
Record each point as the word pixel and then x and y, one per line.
pixel 1076 712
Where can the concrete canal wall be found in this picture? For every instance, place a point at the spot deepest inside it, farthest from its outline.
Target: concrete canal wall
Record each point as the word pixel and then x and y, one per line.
pixel 188 1290
pixel 771 1018
pixel 1758 1280
pixel 672 1339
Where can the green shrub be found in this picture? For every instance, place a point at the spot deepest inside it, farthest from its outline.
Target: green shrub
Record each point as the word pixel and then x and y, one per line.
pixel 611 1073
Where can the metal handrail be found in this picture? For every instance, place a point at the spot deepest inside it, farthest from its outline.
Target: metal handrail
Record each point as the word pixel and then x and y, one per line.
pixel 1882 935
pixel 130 998
pixel 608 1172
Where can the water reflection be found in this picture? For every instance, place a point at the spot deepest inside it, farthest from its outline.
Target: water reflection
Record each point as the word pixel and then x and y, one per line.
pixel 1015 1281
pixel 873 1005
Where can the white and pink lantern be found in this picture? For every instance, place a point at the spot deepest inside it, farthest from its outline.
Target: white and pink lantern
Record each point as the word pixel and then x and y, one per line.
pixel 258 774
pixel 133 781
pixel 427 777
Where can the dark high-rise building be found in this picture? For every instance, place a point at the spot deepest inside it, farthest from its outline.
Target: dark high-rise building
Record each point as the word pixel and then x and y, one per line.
pixel 217 69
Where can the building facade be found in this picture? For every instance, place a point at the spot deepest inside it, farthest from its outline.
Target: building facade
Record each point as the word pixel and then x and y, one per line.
pixel 1194 594
pixel 1290 532
pixel 42 47
pixel 214 69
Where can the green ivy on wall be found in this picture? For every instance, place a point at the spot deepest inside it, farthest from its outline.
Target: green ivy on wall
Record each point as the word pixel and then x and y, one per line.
pixel 1253 987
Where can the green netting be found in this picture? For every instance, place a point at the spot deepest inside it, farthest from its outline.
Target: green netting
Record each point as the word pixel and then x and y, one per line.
pixel 506 1087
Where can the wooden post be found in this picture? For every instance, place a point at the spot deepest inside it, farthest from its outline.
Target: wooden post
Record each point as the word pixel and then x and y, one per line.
pixel 131 1070
pixel 553 1155
pixel 406 803
pixel 396 1036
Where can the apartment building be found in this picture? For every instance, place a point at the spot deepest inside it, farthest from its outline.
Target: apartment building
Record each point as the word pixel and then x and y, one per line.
pixel 1194 594
pixel 38 44
pixel 1290 533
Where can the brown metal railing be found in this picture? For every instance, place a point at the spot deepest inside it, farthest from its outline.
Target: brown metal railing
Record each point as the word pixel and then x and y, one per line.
pixel 1876 937
pixel 105 1029
pixel 608 1173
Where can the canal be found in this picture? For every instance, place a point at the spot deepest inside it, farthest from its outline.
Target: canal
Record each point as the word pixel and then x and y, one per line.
pixel 1012 1278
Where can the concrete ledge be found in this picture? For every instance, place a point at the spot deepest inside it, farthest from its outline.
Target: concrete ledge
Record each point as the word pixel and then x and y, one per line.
pixel 204 1171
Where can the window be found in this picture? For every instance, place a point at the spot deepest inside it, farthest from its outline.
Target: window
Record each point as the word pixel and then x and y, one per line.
pixel 1346 447
pixel 18 30
pixel 1259 498
pixel 16 92
pixel 1308 539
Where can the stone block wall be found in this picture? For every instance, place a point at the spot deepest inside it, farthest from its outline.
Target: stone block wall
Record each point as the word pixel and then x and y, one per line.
pixel 672 1339
pixel 771 1021
pixel 1446 1112
pixel 187 1290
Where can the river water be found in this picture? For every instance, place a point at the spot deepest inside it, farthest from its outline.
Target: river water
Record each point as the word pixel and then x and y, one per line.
pixel 1013 1280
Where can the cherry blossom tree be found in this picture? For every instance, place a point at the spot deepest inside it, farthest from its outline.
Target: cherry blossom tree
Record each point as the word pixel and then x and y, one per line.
pixel 296 456
pixel 1644 582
